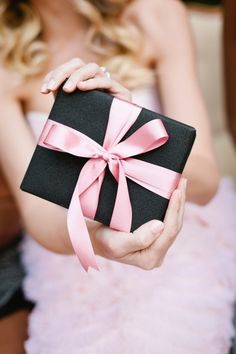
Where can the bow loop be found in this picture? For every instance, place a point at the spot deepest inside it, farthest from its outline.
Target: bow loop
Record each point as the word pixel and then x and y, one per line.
pixel 148 137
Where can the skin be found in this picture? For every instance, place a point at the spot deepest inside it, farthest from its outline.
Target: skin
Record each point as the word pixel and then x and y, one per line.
pixel 13 332
pixel 162 24
pixel 9 216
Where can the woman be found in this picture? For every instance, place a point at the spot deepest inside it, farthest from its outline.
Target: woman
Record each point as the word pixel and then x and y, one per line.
pixel 36 213
pixel 111 33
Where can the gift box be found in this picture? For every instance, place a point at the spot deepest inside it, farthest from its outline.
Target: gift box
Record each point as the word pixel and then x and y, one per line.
pixel 109 160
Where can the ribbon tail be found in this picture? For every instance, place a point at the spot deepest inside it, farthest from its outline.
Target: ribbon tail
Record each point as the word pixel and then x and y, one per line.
pixel 79 234
pixel 89 199
pixel 91 178
pixel 122 213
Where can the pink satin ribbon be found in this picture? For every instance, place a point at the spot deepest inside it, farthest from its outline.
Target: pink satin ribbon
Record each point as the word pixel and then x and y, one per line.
pixel 117 155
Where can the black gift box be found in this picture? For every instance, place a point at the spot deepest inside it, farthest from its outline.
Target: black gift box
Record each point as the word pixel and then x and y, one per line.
pixel 52 175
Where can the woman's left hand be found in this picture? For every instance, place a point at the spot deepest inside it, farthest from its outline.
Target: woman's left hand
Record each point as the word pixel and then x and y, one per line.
pixel 83 77
pixel 146 247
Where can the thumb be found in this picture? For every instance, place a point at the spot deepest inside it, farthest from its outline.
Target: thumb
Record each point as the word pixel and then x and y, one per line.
pixel 145 235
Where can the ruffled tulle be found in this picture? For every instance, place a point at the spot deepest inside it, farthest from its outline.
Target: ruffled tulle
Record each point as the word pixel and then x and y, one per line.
pixel 183 307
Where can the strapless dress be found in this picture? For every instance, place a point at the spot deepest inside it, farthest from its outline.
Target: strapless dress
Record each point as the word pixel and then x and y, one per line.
pixel 184 307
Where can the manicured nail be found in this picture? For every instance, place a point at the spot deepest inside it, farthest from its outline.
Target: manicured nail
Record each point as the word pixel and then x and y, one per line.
pixel 51 84
pixel 157 226
pixel 68 85
pixel 44 88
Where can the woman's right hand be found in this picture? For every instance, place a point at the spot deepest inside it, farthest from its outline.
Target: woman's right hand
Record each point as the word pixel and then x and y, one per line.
pixel 147 246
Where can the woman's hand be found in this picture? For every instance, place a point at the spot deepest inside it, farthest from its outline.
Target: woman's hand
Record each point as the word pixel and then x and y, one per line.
pixel 147 246
pixel 83 77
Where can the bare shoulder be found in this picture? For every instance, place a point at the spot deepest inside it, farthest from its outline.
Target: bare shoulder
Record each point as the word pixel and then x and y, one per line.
pixel 173 8
pixel 162 6
pixel 163 23
pixel 163 11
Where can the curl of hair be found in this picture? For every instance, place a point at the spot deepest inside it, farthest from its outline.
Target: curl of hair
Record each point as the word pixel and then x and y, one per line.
pixel 117 46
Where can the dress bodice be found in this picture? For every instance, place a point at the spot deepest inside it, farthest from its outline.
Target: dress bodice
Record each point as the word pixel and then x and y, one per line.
pixel 145 96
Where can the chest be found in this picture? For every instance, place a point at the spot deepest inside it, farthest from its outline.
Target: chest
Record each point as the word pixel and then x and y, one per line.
pixel 29 91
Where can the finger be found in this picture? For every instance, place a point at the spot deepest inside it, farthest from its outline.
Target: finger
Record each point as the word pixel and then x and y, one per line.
pixel 154 255
pixel 136 247
pixel 107 84
pixel 93 83
pixel 55 78
pixel 44 86
pixel 144 258
pixel 145 235
pixel 182 186
pixel 118 244
pixel 84 73
pixel 171 225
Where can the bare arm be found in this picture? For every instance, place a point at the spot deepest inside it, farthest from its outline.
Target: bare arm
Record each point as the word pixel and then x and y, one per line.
pixel 16 147
pixel 167 28
pixel 182 98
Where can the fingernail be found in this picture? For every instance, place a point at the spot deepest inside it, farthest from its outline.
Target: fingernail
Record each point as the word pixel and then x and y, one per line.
pixel 68 84
pixel 44 88
pixel 156 226
pixel 51 84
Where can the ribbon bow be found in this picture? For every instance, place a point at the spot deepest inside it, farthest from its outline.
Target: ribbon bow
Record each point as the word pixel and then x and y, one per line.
pixel 117 155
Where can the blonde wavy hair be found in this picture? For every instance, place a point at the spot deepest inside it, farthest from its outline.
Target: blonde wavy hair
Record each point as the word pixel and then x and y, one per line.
pixel 22 47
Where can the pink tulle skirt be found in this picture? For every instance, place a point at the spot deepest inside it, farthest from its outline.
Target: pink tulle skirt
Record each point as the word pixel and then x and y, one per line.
pixel 184 307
